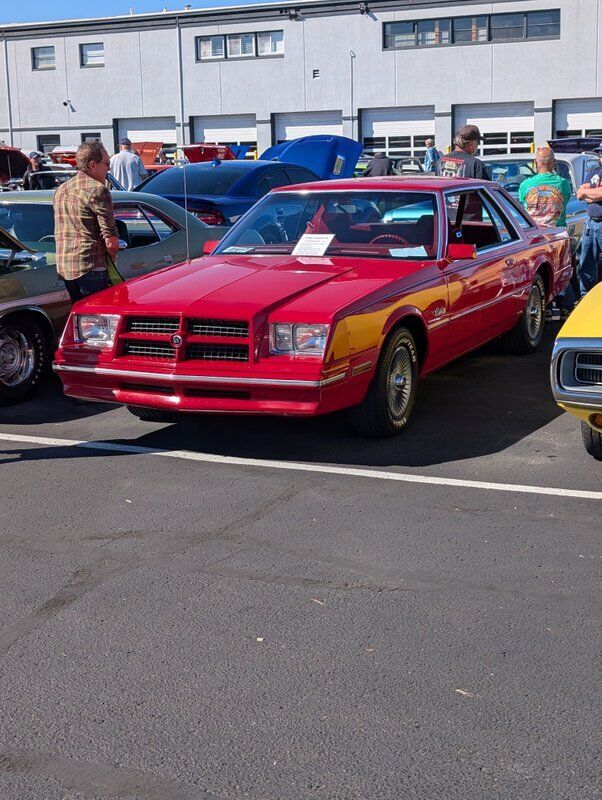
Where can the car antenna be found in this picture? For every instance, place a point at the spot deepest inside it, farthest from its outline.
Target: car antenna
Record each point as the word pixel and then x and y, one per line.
pixel 184 160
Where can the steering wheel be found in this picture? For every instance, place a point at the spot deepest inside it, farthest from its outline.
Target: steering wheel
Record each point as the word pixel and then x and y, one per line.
pixel 382 238
pixel 48 238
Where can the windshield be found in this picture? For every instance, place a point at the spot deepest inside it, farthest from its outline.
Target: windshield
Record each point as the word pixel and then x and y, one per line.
pixel 510 174
pixel 367 224
pixel 30 223
pixel 200 179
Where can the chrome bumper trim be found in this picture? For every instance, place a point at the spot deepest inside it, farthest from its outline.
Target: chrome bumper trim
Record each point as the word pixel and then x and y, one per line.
pixel 580 397
pixel 215 379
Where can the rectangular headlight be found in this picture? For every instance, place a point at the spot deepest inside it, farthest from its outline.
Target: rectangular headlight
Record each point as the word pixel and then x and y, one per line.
pixel 303 339
pixel 96 330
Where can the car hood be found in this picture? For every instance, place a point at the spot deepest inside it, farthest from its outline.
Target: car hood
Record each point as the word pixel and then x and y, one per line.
pixel 241 287
pixel 13 163
pixel 218 286
pixel 9 242
pixel 586 320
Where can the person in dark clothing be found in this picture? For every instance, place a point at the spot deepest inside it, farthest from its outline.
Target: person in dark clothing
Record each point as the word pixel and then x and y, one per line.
pixel 35 165
pixel 380 165
pixel 461 162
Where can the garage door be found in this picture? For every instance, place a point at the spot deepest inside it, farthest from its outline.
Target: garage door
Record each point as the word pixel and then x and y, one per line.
pixel 307 123
pixel 149 129
pixel 397 131
pixel 230 129
pixel 505 127
pixel 578 117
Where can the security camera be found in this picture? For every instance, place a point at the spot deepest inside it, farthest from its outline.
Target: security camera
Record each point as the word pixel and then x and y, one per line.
pixel 65 102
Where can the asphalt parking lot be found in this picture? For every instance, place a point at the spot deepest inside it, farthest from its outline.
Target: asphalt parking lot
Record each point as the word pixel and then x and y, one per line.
pixel 346 619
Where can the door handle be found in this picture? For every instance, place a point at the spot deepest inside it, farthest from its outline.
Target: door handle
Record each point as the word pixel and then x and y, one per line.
pixel 511 262
pixel 168 259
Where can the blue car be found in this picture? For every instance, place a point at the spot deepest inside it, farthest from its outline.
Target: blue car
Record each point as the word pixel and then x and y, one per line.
pixel 219 192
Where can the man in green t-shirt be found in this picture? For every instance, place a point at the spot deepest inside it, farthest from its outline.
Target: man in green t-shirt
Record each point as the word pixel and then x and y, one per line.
pixel 545 196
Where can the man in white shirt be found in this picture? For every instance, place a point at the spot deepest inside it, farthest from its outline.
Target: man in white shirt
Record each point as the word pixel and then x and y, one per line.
pixel 127 167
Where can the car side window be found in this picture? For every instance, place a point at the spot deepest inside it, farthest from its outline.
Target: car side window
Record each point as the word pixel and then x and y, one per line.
pixel 504 227
pixel 517 216
pixel 133 228
pixel 300 175
pixel 472 221
pixel 275 178
pixel 164 228
pixel 590 165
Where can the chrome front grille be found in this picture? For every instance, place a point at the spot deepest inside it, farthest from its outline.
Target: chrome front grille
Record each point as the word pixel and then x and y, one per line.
pixel 217 352
pixel 588 368
pixel 142 349
pixel 153 325
pixel 218 327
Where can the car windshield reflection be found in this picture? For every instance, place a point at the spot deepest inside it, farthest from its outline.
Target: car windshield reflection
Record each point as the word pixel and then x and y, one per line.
pixel 365 224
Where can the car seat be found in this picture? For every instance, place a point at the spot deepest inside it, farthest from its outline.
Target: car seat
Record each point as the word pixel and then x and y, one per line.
pixel 122 232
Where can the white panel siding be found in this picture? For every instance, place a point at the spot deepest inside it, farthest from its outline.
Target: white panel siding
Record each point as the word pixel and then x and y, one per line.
pixel 231 129
pixel 497 117
pixel 307 123
pixel 578 115
pixel 149 129
pixel 418 120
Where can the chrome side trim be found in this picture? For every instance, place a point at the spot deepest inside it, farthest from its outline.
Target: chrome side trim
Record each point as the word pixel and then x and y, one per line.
pixel 34 301
pixel 215 379
pixel 361 368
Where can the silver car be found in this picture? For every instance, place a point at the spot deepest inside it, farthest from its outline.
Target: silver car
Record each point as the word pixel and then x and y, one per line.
pixel 511 170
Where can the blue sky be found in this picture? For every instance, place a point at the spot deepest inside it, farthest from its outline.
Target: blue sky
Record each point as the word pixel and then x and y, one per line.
pixel 39 10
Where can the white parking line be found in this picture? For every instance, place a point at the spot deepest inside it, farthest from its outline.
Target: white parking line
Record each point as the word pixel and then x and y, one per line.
pixel 296 466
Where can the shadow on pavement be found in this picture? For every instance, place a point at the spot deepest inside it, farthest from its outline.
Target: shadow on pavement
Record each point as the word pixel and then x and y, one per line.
pixel 477 406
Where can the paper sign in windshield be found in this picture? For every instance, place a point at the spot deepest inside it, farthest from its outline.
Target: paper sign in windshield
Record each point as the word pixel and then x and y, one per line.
pixel 240 250
pixel 408 252
pixel 313 244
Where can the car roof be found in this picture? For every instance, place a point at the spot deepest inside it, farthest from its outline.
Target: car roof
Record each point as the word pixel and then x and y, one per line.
pixel 47 196
pixel 406 183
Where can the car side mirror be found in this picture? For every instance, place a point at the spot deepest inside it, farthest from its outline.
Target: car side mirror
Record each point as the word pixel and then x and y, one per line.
pixel 123 245
pixel 209 246
pixel 457 251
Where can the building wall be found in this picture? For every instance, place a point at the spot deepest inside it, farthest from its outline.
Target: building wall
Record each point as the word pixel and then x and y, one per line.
pixel 141 77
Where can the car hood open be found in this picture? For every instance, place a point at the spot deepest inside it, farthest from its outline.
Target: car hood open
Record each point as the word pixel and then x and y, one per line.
pixel 327 156
pixel 13 163
pixel 9 242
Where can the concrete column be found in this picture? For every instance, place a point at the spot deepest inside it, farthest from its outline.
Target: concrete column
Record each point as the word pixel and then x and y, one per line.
pixel 443 128
pixel 350 127
pixel 544 125
pixel 264 135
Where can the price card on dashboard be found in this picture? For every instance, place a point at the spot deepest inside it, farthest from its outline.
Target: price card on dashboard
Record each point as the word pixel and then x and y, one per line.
pixel 313 244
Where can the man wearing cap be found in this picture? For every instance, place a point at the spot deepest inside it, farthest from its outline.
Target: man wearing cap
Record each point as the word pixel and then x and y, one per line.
pixel 591 243
pixel 35 165
pixel 127 167
pixel 461 162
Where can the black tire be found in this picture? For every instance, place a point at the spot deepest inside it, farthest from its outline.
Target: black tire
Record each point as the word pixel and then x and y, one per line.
pixel 24 358
pixel 527 334
pixel 592 441
pixel 386 408
pixel 150 414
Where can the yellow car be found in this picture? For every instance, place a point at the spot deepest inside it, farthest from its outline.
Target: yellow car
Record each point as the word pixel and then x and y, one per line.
pixel 576 371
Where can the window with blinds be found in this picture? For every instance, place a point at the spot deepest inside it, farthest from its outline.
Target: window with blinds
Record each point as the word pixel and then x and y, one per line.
pixel 240 45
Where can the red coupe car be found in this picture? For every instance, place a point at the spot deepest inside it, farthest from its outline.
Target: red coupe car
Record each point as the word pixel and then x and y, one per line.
pixel 322 298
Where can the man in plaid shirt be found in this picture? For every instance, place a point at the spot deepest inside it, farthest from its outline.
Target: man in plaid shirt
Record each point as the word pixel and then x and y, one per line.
pixel 84 224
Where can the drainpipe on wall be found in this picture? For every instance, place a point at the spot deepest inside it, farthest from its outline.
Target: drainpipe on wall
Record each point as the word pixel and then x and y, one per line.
pixel 8 102
pixel 181 83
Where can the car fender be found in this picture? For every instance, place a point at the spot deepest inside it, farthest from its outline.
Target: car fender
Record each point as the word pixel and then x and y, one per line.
pixel 412 316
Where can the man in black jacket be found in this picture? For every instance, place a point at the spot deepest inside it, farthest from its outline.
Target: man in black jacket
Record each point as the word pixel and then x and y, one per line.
pixel 35 165
pixel 380 165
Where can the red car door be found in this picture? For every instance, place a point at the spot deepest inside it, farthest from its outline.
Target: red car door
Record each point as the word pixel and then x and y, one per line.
pixel 481 290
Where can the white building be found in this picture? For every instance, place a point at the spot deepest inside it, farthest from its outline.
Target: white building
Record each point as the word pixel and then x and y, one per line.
pixel 391 72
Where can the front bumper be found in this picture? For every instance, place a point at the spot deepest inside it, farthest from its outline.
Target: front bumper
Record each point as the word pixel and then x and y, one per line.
pixel 214 393
pixel 583 400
